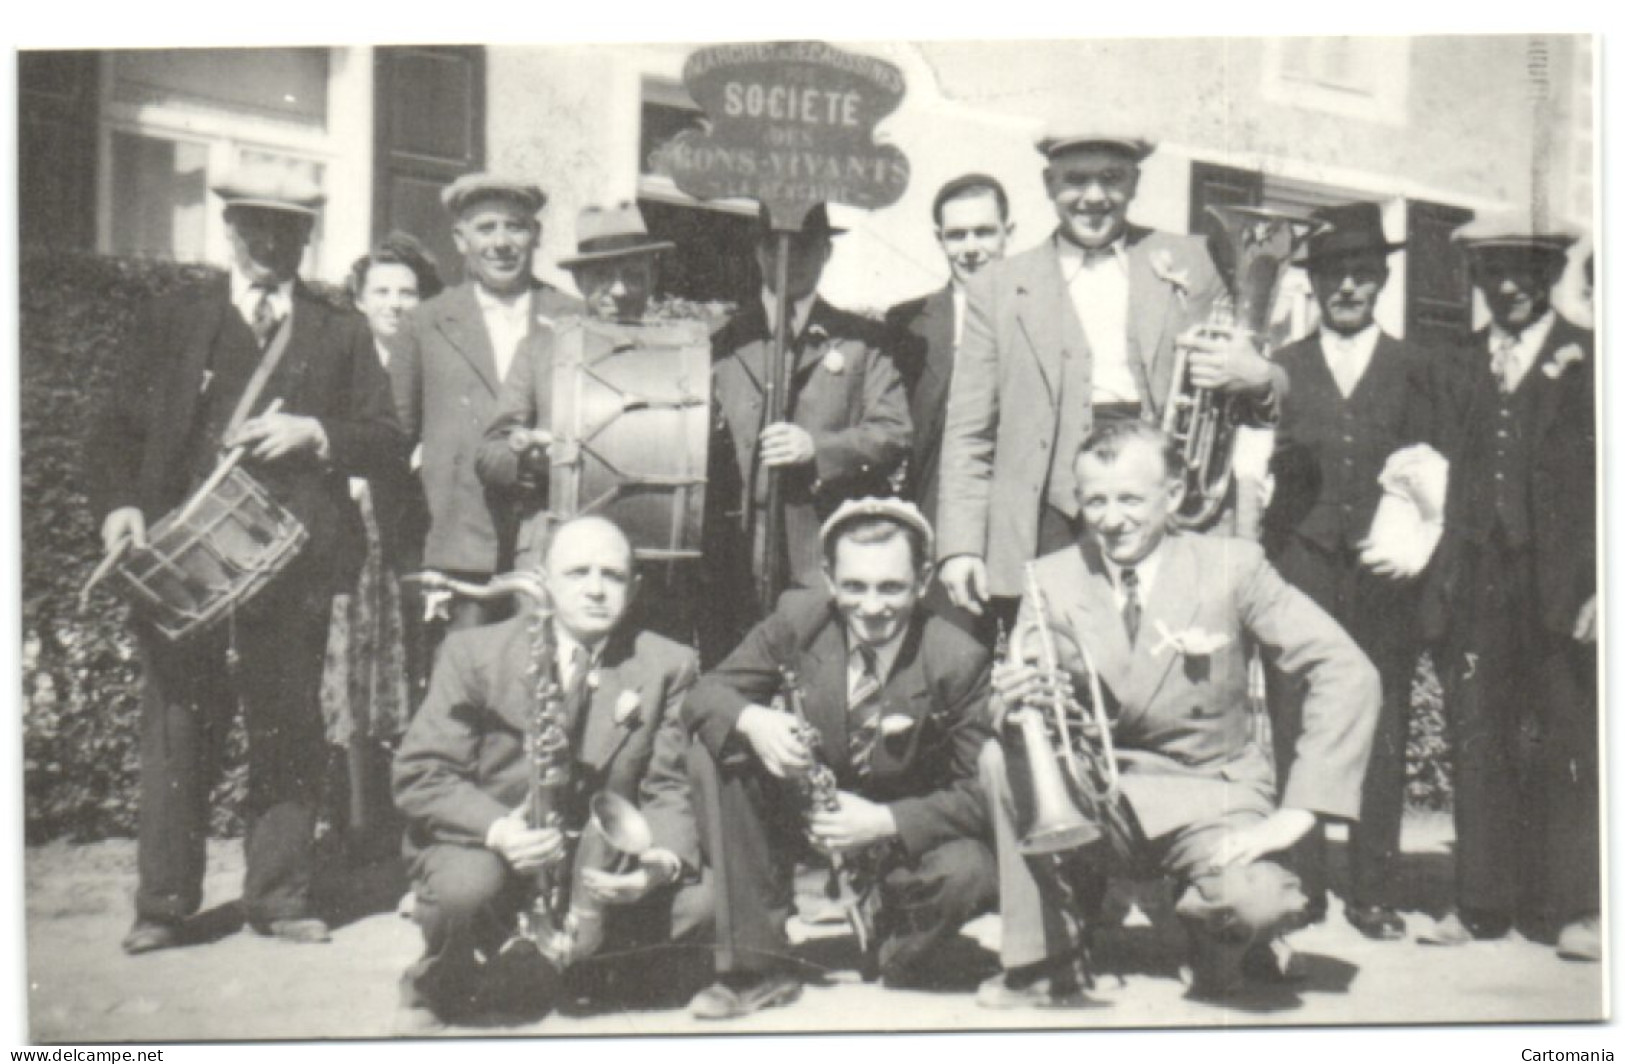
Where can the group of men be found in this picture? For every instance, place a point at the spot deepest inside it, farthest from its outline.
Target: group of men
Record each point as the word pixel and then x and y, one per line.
pixel 863 722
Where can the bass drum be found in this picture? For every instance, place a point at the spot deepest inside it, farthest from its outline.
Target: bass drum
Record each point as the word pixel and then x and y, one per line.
pixel 631 425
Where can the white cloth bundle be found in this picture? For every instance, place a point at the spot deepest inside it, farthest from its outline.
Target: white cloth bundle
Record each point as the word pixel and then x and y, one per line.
pixel 1410 517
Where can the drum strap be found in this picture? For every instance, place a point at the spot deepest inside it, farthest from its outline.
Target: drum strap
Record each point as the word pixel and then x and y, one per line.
pixel 262 374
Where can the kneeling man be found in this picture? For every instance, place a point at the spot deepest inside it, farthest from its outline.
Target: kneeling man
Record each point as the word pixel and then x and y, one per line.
pixel 1168 618
pixel 464 773
pixel 894 703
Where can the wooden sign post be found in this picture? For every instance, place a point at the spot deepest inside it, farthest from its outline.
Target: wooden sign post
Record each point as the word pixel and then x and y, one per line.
pixel 790 125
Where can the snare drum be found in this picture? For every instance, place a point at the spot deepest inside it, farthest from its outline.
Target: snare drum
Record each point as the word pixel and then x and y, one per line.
pixel 631 423
pixel 212 555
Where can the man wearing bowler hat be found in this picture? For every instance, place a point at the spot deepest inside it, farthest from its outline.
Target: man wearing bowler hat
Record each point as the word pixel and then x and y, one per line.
pixel 204 365
pixel 451 361
pixel 1513 594
pixel 1076 330
pixel 1357 396
pixel 845 430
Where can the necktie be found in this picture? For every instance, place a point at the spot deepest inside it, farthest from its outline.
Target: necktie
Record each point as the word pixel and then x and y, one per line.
pixel 576 694
pixel 1131 603
pixel 1501 361
pixel 264 321
pixel 863 711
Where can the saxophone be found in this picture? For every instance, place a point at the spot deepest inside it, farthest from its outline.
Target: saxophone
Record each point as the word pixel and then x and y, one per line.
pixel 561 921
pixel 854 878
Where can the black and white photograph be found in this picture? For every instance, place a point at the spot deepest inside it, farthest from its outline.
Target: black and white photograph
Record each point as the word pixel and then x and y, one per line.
pixel 811 535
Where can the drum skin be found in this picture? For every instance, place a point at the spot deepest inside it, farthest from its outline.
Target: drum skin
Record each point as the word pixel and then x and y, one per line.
pixel 631 424
pixel 211 556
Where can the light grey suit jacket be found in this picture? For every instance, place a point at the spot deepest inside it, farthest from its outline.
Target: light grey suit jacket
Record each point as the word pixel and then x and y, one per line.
pixel 1184 728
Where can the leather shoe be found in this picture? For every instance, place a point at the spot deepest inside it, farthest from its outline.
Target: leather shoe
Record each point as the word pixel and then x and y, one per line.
pixel 304 930
pixel 1464 926
pixel 146 936
pixel 1581 940
pixel 731 999
pixel 1376 921
pixel 1045 992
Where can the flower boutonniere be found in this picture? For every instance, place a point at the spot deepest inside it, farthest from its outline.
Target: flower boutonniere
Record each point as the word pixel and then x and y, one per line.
pixel 895 724
pixel 834 362
pixel 1190 643
pixel 626 708
pixel 1566 357
pixel 1162 264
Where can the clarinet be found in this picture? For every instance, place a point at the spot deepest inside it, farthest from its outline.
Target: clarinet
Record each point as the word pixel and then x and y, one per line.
pixel 854 881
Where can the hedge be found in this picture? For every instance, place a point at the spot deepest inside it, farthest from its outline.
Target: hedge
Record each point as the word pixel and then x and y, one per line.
pixel 80 675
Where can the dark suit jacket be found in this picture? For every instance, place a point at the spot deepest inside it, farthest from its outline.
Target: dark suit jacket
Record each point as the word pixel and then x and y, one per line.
pixel 1020 402
pixel 921 344
pixel 1329 450
pixel 844 390
pixel 1184 727
pixel 926 772
pixel 1563 487
pixel 446 391
pixel 139 452
pixel 463 765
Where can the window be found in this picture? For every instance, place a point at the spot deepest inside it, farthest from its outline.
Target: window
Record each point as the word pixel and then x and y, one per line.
pixel 1354 77
pixel 288 84
pixel 160 192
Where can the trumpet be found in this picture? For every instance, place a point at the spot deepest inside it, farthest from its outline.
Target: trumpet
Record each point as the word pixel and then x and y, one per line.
pixel 1065 787
pixel 1252 247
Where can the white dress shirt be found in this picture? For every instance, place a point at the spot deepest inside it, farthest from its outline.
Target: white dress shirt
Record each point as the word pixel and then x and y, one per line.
pixel 1521 349
pixel 565 656
pixel 1349 356
pixel 245 297
pixel 505 323
pixel 799 310
pixel 959 312
pixel 1098 284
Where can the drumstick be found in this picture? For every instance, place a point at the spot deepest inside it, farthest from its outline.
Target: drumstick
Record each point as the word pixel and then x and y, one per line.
pixel 227 464
pixel 104 567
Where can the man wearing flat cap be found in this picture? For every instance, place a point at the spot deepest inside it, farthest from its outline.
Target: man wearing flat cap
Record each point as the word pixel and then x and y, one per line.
pixel 1358 396
pixel 1076 330
pixel 893 701
pixel 451 361
pixel 197 379
pixel 846 428
pixel 1513 593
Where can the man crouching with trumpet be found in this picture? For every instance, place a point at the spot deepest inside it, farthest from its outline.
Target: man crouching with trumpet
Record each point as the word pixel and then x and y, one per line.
pixel 537 732
pixel 1176 782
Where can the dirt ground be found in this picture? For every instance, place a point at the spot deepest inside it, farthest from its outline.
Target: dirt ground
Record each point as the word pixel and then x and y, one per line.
pixel 239 986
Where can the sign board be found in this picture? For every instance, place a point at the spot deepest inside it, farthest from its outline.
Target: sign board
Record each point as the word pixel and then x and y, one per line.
pixel 791 126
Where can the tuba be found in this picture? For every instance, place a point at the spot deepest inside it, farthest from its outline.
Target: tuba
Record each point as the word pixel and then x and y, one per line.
pixel 1252 247
pixel 1065 789
pixel 561 921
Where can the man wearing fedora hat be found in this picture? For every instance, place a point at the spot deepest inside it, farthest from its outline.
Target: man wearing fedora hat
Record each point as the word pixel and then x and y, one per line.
pixel 449 366
pixel 615 269
pixel 203 362
pixel 1513 594
pixel 894 698
pixel 1078 329
pixel 845 432
pixel 1357 395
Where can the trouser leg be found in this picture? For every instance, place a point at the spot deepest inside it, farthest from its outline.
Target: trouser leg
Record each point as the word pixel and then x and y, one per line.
pixel 1035 925
pixel 1374 839
pixel 279 680
pixel 466 899
pixel 751 832
pixel 926 901
pixel 185 712
pixel 1568 773
pixel 1484 686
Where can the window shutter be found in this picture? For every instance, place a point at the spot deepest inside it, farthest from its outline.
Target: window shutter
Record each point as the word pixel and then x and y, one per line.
pixel 1439 293
pixel 56 149
pixel 429 116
